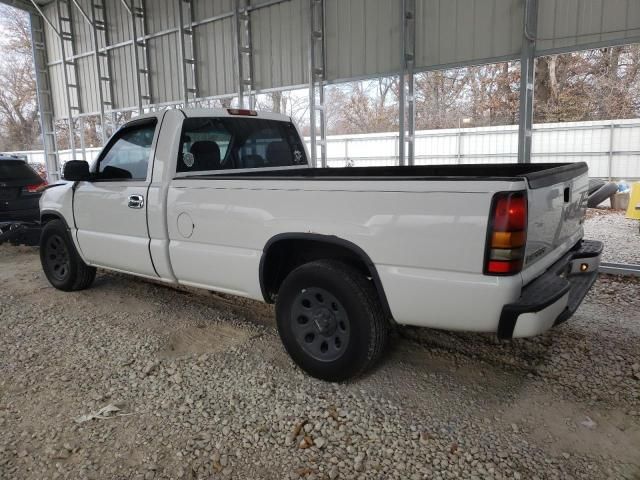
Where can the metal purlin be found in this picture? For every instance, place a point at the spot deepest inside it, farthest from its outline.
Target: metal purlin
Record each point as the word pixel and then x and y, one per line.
pixel 316 82
pixel 244 52
pixel 407 117
pixel 45 102
pixel 187 52
pixel 70 77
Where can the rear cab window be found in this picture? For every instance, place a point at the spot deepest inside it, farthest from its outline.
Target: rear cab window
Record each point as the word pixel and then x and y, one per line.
pixel 222 144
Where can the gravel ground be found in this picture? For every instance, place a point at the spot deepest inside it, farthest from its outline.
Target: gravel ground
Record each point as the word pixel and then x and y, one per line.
pixel 620 235
pixel 205 390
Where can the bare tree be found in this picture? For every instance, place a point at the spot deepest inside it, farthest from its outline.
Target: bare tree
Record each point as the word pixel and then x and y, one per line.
pixel 19 128
pixel 599 84
pixel 294 103
pixel 363 107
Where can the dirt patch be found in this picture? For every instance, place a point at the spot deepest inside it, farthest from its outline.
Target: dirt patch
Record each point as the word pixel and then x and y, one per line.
pixel 199 339
pixel 562 426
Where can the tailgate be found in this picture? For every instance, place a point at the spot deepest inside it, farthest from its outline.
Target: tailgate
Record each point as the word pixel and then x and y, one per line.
pixel 8 193
pixel 557 203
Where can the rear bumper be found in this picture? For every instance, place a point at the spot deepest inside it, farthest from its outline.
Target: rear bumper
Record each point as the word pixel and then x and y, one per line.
pixel 553 297
pixel 24 215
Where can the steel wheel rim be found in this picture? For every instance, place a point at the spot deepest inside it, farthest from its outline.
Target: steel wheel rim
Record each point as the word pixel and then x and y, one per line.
pixel 320 324
pixel 57 257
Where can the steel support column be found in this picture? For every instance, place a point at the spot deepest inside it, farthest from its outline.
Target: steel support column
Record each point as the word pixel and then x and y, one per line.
pixel 407 120
pixel 137 18
pixel 94 26
pixel 612 131
pixel 316 82
pixel 527 80
pixel 244 53
pixel 69 74
pixel 43 93
pixel 187 52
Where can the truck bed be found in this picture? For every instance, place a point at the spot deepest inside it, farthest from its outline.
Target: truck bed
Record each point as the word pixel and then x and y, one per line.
pixel 538 175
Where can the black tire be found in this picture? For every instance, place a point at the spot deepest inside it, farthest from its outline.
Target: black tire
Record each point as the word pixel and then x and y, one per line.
pixel 61 263
pixel 345 318
pixel 602 194
pixel 595 184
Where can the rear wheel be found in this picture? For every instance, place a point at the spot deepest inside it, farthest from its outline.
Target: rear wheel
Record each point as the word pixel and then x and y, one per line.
pixel 330 320
pixel 61 263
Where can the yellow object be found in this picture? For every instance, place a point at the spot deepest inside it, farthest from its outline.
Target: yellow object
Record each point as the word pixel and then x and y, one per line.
pixel 633 210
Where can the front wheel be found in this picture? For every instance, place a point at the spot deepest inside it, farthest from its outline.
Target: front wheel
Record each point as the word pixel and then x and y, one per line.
pixel 61 263
pixel 330 320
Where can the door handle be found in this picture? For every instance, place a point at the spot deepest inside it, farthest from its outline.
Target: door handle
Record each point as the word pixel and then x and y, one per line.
pixel 136 201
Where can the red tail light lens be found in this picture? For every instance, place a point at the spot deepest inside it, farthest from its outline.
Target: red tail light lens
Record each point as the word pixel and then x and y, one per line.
pixel 36 187
pixel 510 212
pixel 507 234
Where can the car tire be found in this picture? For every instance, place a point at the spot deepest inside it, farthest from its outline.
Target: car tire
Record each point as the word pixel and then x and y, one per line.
pixel 601 194
pixel 61 263
pixel 595 184
pixel 330 320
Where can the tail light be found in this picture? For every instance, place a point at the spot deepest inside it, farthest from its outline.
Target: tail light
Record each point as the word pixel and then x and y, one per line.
pixel 507 234
pixel 35 187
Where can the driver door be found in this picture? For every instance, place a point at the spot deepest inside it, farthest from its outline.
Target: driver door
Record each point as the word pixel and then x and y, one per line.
pixel 111 210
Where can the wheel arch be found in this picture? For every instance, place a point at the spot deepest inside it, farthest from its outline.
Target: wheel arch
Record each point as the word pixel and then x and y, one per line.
pixel 47 216
pixel 286 251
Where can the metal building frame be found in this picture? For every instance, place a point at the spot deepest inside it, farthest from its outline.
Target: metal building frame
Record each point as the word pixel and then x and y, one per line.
pixel 317 62
pixel 527 80
pixel 243 57
pixel 407 116
pixel 45 103
pixel 244 53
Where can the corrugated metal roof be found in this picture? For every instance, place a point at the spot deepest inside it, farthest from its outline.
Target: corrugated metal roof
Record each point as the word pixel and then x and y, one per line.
pixel 566 24
pixel 280 40
pixel 363 39
pixel 452 32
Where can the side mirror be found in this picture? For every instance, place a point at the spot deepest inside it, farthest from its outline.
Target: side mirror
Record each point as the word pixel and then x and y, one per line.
pixel 76 170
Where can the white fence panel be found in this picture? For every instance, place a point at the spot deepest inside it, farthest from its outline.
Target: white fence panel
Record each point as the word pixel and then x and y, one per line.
pixel 610 148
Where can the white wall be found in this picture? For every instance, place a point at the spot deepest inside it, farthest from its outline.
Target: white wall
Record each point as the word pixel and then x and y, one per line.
pixel 599 144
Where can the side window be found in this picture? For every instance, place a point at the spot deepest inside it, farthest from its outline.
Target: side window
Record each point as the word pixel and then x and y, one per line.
pixel 231 143
pixel 127 157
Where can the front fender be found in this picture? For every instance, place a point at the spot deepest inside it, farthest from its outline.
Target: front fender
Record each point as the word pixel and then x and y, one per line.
pixel 57 200
pixel 57 203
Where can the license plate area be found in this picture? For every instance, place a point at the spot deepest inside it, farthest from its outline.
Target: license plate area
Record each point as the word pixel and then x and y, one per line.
pixel 8 193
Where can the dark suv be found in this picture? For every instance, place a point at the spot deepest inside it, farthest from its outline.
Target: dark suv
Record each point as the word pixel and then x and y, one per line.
pixel 20 190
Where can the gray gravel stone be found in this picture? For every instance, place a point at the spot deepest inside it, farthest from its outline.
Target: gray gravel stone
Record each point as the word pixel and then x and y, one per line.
pixel 208 392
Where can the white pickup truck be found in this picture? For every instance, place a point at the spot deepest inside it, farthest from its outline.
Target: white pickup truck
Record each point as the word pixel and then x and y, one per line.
pixel 225 200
